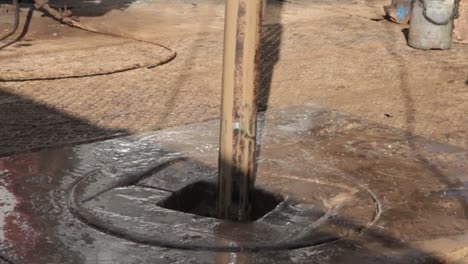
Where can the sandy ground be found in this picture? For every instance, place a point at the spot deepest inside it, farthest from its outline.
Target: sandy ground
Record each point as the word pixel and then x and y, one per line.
pixel 338 55
pixel 335 55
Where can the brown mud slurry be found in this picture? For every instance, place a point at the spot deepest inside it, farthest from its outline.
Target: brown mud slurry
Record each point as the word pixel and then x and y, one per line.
pixel 381 196
pixel 200 198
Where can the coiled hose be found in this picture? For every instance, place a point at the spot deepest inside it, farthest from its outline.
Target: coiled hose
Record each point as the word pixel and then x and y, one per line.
pixel 15 22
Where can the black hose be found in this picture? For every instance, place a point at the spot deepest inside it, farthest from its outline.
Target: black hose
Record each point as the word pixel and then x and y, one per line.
pixel 15 23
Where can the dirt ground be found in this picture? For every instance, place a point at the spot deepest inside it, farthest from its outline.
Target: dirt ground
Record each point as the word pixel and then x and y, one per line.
pixel 339 55
pixel 400 125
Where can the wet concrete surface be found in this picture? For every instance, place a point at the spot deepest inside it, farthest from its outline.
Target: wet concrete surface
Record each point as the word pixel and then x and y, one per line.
pixel 384 192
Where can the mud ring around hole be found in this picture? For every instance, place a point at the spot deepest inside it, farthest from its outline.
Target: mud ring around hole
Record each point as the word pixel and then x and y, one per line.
pixel 129 205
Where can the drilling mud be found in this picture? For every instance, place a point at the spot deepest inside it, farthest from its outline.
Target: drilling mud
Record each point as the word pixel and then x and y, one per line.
pixel 116 202
pixel 337 189
pixel 200 197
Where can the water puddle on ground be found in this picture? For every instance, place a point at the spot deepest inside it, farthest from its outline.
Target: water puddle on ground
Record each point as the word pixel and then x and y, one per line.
pixel 351 191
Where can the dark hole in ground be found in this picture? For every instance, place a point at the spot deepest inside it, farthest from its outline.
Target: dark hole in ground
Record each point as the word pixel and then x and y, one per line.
pixel 200 198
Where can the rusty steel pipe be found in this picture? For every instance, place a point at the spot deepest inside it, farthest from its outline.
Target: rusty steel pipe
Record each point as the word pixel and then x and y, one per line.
pixel 237 154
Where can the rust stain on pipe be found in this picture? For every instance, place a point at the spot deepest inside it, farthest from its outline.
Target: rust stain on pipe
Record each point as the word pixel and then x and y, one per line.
pixel 237 159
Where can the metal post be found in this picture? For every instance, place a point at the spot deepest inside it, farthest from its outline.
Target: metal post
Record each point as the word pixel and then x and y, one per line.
pixel 237 163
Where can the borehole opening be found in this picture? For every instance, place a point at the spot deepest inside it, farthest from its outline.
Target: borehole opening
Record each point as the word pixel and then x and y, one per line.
pixel 200 198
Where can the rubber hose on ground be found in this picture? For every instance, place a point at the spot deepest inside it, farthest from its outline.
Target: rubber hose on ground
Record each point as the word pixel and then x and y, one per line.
pixel 15 23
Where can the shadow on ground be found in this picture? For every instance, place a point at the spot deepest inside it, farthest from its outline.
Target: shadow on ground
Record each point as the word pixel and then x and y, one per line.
pixel 27 125
pixel 31 126
pixel 272 33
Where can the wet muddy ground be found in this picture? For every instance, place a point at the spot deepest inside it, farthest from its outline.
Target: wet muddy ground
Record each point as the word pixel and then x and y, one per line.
pixel 383 180
pixel 352 192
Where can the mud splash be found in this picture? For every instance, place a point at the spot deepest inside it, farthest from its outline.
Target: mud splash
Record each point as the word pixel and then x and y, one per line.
pixel 315 158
